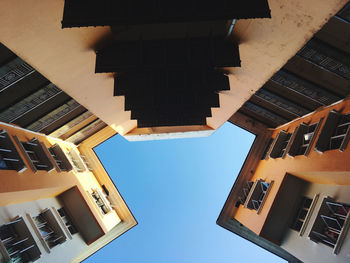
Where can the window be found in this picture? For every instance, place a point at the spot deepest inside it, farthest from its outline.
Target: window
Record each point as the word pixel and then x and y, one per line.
pixel 67 221
pixel 80 162
pixel 101 201
pixel 9 157
pixel 257 195
pixel 304 138
pixel 266 151
pixel 331 224
pixel 60 158
pixel 48 229
pixel 87 163
pixel 280 145
pixel 36 154
pixel 245 192
pixel 335 133
pixel 76 161
pixel 16 242
pixel 301 214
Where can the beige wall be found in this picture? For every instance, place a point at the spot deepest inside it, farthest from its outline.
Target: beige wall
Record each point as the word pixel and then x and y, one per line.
pixel 305 249
pixel 64 252
pixel 66 57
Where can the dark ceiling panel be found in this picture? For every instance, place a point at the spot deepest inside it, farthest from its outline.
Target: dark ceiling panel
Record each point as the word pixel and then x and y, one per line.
pixel 21 89
pixel 12 72
pixel 79 13
pixel 69 114
pixel 275 103
pixel 30 102
pixel 345 13
pixel 326 57
pixel 54 116
pixel 317 75
pixel 303 87
pixel 263 115
pixel 87 131
pixel 170 30
pixel 170 98
pixel 336 33
pixel 178 81
pixel 201 52
pixel 6 55
pixel 41 109
pixel 292 95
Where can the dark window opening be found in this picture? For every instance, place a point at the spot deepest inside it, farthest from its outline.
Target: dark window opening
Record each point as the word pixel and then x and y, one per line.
pixel 49 229
pixel 245 192
pixel 301 213
pixel 60 158
pixel 17 243
pixel 67 221
pixel 9 156
pixel 266 151
pixel 280 145
pixel 330 222
pixel 257 195
pixel 335 133
pixel 36 154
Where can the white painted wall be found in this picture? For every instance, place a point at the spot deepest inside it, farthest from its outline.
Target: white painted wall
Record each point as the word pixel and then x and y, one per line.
pixel 305 249
pixel 62 253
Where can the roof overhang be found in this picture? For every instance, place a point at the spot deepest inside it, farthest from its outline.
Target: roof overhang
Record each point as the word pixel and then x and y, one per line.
pixel 67 57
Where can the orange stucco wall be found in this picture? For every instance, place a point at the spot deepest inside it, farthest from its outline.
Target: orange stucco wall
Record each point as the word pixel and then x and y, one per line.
pixel 330 167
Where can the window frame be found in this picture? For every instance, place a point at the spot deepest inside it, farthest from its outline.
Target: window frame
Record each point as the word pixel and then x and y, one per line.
pixel 329 130
pixel 320 225
pixel 257 191
pixel 9 153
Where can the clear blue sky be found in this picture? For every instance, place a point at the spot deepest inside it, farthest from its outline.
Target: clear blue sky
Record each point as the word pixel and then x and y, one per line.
pixel 176 190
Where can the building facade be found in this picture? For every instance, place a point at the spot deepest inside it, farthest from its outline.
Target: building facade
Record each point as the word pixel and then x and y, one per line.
pixel 293 190
pixel 291 194
pixel 278 84
pixel 58 204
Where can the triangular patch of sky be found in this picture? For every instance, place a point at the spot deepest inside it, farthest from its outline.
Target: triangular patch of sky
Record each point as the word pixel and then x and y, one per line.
pixel 176 190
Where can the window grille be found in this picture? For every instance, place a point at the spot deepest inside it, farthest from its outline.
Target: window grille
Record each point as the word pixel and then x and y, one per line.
pixel 101 201
pixel 87 163
pixel 36 155
pixel 67 221
pixel 266 151
pixel 49 229
pixel 301 214
pixel 60 158
pixel 331 224
pixel 16 242
pixel 257 195
pixel 9 156
pixel 245 192
pixel 304 139
pixel 335 133
pixel 281 143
